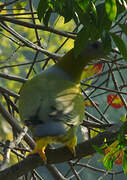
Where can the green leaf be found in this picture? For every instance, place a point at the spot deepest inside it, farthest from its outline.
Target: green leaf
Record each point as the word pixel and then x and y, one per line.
pixel 83 4
pixel 42 6
pixel 108 161
pixel 124 118
pixel 106 40
pixel 80 41
pixel 93 7
pixel 93 31
pixel 98 149
pixel 122 135
pixel 68 11
pixel 124 28
pixel 125 163
pixel 20 5
pixel 103 22
pixel 121 45
pixel 111 9
pixel 47 16
pixel 121 6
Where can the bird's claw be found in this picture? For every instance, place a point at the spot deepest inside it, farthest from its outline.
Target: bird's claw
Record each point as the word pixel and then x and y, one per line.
pixel 72 149
pixel 42 154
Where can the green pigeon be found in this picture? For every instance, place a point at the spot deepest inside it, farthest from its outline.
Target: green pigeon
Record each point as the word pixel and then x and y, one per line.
pixel 51 103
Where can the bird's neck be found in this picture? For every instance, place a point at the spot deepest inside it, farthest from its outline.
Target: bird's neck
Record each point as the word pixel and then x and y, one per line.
pixel 73 66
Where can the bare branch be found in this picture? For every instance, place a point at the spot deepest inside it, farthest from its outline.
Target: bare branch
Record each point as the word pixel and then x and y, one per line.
pixel 12 77
pixel 29 43
pixel 41 27
pixel 10 93
pixel 15 125
pixel 55 156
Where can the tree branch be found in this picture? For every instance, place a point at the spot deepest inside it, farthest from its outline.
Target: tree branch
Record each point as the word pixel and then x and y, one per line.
pixel 29 43
pixel 11 77
pixel 10 93
pixel 59 155
pixel 15 125
pixel 40 27
pixel 7 4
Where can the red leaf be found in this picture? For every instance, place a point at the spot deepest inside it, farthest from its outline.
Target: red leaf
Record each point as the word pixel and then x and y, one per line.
pixel 119 159
pixel 114 101
pixel 117 154
pixel 93 69
pixel 97 68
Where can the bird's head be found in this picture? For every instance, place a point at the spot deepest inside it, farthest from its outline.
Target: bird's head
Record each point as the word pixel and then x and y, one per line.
pixel 93 51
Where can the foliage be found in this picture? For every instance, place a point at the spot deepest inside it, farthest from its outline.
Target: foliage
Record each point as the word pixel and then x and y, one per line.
pixel 96 18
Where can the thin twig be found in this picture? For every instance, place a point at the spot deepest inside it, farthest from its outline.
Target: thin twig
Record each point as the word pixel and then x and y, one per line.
pixel 39 27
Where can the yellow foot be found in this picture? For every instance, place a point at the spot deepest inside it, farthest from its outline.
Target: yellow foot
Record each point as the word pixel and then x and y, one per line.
pixel 40 147
pixel 42 155
pixel 41 152
pixel 72 149
pixel 71 145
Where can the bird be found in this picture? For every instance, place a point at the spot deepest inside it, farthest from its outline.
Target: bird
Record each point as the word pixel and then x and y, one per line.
pixel 52 104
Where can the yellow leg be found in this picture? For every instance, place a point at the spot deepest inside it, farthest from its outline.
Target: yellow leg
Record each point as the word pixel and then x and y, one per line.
pixel 71 145
pixel 42 154
pixel 40 147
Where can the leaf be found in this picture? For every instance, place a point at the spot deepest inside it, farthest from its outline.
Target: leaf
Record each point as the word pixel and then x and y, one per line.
pixel 93 31
pixel 106 40
pixel 124 28
pixel 98 149
pixel 121 45
pixel 124 118
pixel 122 135
pixel 47 16
pixel 20 5
pixel 103 22
pixel 89 71
pixel 84 4
pixel 93 133
pixel 121 6
pixel 92 70
pixel 81 41
pixel 119 158
pixel 89 104
pixel 113 153
pixel 42 6
pixel 114 101
pixel 97 68
pixel 93 7
pixel 68 11
pixel 108 161
pixel 125 163
pixel 111 9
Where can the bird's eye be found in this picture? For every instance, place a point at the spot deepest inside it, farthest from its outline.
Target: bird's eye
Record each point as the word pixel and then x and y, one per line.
pixel 95 45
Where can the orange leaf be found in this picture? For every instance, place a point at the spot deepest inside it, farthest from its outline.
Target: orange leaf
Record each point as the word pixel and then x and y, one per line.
pixel 107 150
pixel 97 68
pixel 114 101
pixel 119 159
pixel 93 69
pixel 117 154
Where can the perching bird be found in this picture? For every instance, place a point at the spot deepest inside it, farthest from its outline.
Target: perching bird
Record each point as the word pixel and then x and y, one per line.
pixel 52 103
